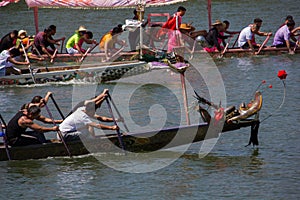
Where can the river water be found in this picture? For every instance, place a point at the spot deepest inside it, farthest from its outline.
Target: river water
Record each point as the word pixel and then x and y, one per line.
pixel 229 171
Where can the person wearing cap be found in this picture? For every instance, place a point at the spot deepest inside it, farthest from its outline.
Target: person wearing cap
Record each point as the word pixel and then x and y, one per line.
pixel 109 40
pixel 41 43
pixel 189 30
pixel 72 43
pixel 211 39
pixel 9 40
pixel 27 42
pixel 87 38
pixel 222 36
pixel 7 61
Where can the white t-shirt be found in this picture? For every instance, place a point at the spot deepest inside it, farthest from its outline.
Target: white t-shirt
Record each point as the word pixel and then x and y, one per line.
pixel 245 35
pixel 4 55
pixel 77 121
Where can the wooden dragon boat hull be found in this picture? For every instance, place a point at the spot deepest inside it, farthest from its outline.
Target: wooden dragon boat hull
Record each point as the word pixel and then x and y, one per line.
pixel 133 142
pixel 91 57
pixel 131 56
pixel 96 72
pixel 238 52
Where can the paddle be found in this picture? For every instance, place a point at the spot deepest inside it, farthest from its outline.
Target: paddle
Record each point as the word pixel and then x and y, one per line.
pixel 58 109
pixel 263 44
pixel 183 86
pixel 40 56
pixel 54 55
pixel 236 40
pixel 119 114
pixel 58 131
pixel 38 52
pixel 29 66
pixel 116 53
pixel 62 45
pixel 225 49
pixel 296 45
pixel 90 49
pixel 4 137
pixel 115 122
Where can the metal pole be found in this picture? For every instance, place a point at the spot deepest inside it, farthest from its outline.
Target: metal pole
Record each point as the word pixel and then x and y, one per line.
pixel 209 13
pixel 184 94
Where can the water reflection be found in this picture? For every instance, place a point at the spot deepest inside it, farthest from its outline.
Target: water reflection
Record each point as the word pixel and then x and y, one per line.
pixel 244 164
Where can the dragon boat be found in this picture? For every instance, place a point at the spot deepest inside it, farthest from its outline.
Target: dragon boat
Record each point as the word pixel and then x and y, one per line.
pixel 228 119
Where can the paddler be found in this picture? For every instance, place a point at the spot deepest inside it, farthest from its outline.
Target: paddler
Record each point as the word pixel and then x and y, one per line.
pixel 16 128
pixel 27 42
pixel 73 46
pixel 80 124
pixel 41 43
pixel 109 40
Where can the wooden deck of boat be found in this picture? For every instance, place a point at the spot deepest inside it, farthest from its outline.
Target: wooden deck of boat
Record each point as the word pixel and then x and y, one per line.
pixel 230 52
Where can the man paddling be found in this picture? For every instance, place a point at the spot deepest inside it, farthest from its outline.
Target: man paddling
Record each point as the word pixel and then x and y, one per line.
pixel 7 62
pixel 80 123
pixel 40 102
pixel 16 128
pixel 258 23
pixel 98 100
pixel 283 36
pixel 41 42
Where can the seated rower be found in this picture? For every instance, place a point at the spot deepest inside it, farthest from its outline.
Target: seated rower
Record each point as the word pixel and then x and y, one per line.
pixel 40 102
pixel 87 38
pixel 245 38
pixel 211 41
pixel 80 124
pixel 16 128
pixel 97 100
pixel 258 23
pixel 27 42
pixel 109 41
pixel 8 41
pixel 283 36
pixel 7 61
pixel 225 30
pixel 73 46
pixel 41 42
pixel 51 40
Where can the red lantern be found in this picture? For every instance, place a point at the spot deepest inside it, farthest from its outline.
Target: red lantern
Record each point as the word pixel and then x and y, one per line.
pixel 270 86
pixel 282 74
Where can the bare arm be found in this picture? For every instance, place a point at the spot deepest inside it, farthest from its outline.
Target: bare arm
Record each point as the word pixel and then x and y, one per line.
pixel 102 126
pixel 103 119
pixel 12 60
pixel 23 122
pixel 48 120
pixel 251 46
pixel 46 98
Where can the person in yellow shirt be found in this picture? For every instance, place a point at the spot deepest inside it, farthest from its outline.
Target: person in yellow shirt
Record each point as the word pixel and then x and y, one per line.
pixel 109 40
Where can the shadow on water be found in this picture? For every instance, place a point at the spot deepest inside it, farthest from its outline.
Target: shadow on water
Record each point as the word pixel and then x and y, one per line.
pixel 214 162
